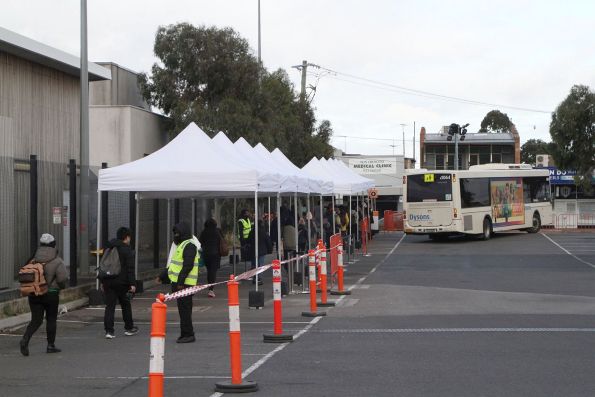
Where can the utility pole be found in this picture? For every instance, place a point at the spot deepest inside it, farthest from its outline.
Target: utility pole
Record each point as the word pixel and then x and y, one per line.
pixel 259 59
pixel 84 147
pixel 414 144
pixel 403 127
pixel 304 69
pixel 303 91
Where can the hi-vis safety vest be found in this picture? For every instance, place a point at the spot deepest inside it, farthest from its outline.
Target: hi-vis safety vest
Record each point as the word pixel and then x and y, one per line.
pixel 247 227
pixel 177 261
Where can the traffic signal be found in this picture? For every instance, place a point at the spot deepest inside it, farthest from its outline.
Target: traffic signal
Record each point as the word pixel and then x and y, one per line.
pixel 463 131
pixel 453 129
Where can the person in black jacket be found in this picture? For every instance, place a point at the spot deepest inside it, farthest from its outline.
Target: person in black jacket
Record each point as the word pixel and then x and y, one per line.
pixel 117 289
pixel 264 246
pixel 210 241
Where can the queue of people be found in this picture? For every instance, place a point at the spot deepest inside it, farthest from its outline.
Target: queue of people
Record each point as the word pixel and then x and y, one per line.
pixel 186 254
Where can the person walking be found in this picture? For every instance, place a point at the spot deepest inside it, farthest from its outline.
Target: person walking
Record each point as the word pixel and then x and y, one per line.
pixel 55 275
pixel 120 288
pixel 182 272
pixel 210 240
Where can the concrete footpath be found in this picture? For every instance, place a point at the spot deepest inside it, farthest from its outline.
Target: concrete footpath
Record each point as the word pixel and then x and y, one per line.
pixel 90 365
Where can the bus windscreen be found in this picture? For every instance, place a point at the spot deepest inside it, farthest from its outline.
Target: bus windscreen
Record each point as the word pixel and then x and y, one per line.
pixel 429 187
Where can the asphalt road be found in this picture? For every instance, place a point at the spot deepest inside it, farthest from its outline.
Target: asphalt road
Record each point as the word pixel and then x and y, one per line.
pixel 513 316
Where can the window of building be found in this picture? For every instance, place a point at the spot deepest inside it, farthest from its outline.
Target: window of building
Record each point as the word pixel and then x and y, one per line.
pixel 475 192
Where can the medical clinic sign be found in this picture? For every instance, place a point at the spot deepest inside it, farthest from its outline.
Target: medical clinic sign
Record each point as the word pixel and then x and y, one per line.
pixel 372 166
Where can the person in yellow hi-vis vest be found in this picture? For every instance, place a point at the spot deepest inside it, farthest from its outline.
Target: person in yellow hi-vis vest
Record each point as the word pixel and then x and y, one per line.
pixel 182 272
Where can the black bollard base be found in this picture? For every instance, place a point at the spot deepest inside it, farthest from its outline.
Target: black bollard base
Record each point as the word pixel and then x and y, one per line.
pixel 340 292
pixel 246 386
pixel 256 299
pixel 313 314
pixel 327 304
pixel 277 338
pixel 95 297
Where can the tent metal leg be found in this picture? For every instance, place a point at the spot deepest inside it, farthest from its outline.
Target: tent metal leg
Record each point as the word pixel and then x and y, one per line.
pixel 99 242
pixel 235 232
pixel 309 222
pixel 256 235
pixel 137 235
pixel 321 221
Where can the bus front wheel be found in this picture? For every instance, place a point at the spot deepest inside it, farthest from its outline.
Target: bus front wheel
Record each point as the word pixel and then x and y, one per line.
pixel 487 229
pixel 536 224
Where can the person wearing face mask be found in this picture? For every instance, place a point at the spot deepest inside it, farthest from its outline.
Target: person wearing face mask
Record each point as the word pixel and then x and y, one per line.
pixel 182 272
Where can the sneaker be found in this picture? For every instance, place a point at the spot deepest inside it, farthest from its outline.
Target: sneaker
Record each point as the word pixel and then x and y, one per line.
pixel 211 294
pixel 24 347
pixel 53 349
pixel 186 339
pixel 131 331
pixel 109 335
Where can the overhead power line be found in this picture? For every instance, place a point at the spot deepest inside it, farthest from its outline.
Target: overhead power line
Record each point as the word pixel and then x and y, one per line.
pixel 363 81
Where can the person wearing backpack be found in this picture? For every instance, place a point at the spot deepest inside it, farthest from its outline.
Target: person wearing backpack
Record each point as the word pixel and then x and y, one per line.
pixel 116 287
pixel 55 276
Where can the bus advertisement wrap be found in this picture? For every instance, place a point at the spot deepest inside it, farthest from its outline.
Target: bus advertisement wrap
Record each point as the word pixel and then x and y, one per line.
pixel 507 202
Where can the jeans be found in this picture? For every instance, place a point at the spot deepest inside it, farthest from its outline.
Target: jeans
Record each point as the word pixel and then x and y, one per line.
pixel 114 293
pixel 212 264
pixel 260 261
pixel 39 305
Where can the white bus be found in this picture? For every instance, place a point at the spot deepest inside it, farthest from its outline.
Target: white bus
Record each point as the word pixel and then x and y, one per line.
pixel 485 199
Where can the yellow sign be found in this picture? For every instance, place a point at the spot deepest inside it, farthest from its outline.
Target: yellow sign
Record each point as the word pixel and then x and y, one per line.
pixel 428 177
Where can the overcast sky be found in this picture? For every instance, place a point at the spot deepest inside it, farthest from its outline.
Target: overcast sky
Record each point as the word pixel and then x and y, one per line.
pixel 519 53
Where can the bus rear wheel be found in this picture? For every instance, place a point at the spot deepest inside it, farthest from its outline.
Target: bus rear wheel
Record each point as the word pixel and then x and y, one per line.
pixel 487 229
pixel 536 224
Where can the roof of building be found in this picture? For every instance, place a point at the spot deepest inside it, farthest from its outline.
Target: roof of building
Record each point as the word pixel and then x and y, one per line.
pixel 34 51
pixel 473 138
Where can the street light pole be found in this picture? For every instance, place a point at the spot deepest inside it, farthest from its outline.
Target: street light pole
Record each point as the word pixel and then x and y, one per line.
pixel 403 128
pixel 84 147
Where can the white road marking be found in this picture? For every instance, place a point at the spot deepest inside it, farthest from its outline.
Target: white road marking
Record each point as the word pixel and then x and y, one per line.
pixel 146 377
pixel 568 252
pixel 263 360
pixel 434 330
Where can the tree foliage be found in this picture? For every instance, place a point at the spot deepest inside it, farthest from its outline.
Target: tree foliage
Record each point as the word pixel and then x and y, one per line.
pixel 496 121
pixel 573 132
pixel 532 148
pixel 210 76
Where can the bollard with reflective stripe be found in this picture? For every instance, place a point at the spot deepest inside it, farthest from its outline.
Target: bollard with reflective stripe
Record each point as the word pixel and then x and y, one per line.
pixel 312 279
pixel 157 357
pixel 235 345
pixel 277 336
pixel 323 279
pixel 340 272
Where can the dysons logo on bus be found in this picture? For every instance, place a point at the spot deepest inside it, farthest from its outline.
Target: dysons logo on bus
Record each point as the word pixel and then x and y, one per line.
pixel 414 217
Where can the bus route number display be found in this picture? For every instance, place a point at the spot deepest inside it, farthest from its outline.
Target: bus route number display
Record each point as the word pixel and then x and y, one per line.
pixel 428 177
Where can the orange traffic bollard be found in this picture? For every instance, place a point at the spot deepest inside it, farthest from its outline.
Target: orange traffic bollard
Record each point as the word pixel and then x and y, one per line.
pixel 323 279
pixel 235 345
pixel 157 358
pixel 312 279
pixel 340 273
pixel 277 336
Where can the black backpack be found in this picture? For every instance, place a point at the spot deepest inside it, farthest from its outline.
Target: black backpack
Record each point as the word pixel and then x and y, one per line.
pixel 109 265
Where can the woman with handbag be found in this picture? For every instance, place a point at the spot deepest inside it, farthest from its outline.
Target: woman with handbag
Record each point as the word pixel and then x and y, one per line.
pixel 213 248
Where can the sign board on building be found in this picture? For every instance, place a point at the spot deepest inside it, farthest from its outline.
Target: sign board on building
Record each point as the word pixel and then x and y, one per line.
pixel 57 215
pixel 371 166
pixel 563 177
